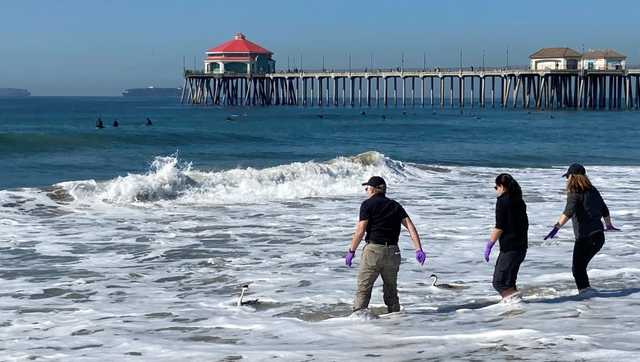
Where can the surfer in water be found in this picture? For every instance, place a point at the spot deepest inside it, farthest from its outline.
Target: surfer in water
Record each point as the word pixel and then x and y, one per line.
pixel 586 209
pixel 148 122
pixel 380 217
pixel 512 225
pixel 99 123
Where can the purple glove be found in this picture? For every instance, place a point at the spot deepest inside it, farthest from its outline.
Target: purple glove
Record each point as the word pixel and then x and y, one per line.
pixel 420 257
pixel 610 227
pixel 552 233
pixel 487 249
pixel 349 257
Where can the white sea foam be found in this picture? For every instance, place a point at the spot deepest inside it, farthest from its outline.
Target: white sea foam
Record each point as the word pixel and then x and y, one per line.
pixel 170 179
pixel 152 264
pixel 166 179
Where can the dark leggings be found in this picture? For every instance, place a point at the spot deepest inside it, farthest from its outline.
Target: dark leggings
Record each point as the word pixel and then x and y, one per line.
pixel 583 251
pixel 506 272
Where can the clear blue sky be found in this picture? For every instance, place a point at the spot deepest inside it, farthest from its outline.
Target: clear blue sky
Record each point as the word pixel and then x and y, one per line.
pixel 99 47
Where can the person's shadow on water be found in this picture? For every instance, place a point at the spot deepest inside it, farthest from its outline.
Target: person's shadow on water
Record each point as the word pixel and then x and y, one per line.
pixel 483 303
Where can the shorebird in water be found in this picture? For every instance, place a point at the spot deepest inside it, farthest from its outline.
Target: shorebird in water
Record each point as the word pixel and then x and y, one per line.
pixel 246 302
pixel 444 285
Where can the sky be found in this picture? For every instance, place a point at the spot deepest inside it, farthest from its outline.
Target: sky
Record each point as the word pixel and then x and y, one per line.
pixel 100 47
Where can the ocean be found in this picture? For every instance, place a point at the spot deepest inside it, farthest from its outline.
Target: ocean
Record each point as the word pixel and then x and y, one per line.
pixel 133 243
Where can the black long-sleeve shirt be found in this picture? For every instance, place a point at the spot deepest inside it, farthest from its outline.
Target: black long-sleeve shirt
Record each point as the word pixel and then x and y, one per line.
pixel 511 218
pixel 586 210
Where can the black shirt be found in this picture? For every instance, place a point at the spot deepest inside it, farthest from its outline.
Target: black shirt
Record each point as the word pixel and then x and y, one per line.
pixel 511 218
pixel 384 218
pixel 586 209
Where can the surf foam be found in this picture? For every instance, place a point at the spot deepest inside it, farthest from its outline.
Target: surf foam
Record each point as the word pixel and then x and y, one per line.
pixel 169 178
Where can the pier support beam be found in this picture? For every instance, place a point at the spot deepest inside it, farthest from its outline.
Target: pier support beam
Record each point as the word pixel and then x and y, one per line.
pixel 515 92
pixel 368 92
pixel 413 91
pixel 493 92
pixel 384 90
pixel 431 92
pixel 482 91
pixel 451 91
pixel 328 100
pixel 471 95
pixel 441 92
pixel 352 80
pixel 404 91
pixel 422 91
pixel 343 91
pixel 304 91
pixel 461 92
pixel 395 90
pixel 359 92
pixel 311 91
pixel 377 91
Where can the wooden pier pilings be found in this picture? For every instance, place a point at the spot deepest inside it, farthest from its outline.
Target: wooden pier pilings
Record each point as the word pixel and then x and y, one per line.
pixel 528 89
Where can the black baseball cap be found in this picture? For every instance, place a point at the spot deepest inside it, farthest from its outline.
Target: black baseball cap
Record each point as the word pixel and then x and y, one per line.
pixel 375 181
pixel 575 169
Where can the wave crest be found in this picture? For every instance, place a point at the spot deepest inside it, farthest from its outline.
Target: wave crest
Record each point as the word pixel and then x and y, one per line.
pixel 169 178
pixel 166 179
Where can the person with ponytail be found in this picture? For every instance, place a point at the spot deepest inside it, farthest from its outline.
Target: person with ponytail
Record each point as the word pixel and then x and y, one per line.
pixel 586 209
pixel 512 226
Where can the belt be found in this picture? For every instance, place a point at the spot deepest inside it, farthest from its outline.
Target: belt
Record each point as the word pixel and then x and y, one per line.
pixel 381 243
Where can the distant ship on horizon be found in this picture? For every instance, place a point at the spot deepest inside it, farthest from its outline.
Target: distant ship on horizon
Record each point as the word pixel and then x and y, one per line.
pixel 152 92
pixel 14 92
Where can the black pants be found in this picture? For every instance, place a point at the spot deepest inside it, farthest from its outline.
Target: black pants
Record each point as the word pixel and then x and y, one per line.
pixel 507 266
pixel 583 251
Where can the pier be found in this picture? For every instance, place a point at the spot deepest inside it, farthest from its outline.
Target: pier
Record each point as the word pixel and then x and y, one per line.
pixel 459 88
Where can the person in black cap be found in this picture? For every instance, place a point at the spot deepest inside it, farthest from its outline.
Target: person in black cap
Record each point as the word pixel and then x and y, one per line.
pixel 585 207
pixel 380 217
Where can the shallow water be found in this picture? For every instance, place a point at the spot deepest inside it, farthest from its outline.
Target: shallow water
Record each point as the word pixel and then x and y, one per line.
pixel 151 265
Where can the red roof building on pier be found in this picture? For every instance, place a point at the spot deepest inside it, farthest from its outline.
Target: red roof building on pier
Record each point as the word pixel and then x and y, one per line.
pixel 239 56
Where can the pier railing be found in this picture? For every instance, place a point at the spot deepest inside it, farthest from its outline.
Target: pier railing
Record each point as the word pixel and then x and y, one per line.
pixel 399 69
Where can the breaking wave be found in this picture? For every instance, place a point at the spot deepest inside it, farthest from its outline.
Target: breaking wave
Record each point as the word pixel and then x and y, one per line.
pixel 169 178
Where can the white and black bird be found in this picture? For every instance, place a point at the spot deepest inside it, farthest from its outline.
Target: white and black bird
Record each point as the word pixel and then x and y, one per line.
pixel 444 285
pixel 246 302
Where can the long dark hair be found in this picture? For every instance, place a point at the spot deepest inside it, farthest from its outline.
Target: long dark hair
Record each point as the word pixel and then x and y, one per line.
pixel 511 185
pixel 578 183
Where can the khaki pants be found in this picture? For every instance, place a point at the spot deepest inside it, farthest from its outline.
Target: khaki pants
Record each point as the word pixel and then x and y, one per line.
pixel 378 260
